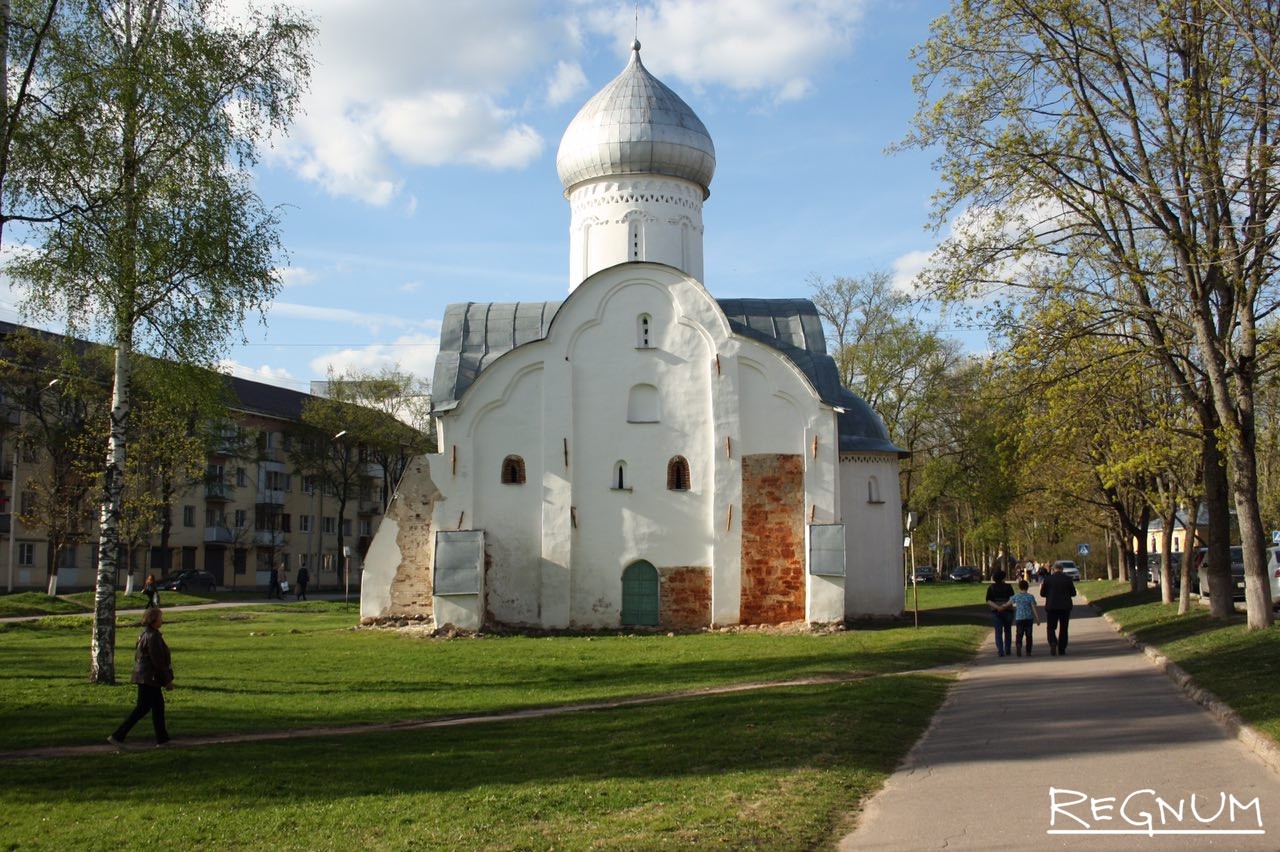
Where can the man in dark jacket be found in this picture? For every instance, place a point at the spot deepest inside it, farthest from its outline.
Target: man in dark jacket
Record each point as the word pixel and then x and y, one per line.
pixel 1057 591
pixel 153 673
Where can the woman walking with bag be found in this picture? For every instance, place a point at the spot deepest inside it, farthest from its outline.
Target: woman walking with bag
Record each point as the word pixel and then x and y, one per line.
pixel 153 673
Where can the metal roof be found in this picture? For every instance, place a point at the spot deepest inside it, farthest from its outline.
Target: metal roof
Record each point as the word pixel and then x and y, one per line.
pixel 474 334
pixel 636 125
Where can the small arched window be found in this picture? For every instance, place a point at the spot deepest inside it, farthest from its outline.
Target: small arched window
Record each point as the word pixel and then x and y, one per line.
pixel 513 470
pixel 644 331
pixel 873 490
pixel 619 482
pixel 678 474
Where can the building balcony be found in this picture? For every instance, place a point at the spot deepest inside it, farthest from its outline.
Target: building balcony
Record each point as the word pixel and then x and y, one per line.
pixel 218 535
pixel 370 507
pixel 268 538
pixel 219 491
pixel 270 497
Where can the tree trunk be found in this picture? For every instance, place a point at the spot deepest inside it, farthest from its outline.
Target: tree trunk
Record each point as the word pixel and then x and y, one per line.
pixel 1253 540
pixel 1218 559
pixel 102 649
pixel 1166 554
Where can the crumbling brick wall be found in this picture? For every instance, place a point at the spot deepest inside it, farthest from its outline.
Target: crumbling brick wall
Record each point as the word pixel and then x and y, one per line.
pixel 684 597
pixel 415 499
pixel 772 539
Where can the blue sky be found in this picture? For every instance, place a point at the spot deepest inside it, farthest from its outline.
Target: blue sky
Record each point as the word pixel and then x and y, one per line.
pixel 423 172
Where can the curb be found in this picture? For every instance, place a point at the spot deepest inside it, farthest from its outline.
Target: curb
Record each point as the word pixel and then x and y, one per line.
pixel 1260 744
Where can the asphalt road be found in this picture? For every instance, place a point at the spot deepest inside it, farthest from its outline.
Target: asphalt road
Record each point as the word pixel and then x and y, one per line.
pixel 1026 747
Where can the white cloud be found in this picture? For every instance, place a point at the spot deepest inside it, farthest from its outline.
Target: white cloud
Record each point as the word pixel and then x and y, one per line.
pixel 412 353
pixel 438 128
pixel 373 323
pixel 386 82
pixel 567 81
pixel 441 84
pixel 907 267
pixel 295 276
pixel 265 373
pixel 770 46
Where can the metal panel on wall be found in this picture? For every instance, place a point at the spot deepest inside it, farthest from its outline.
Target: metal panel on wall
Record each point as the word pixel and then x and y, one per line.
pixel 826 550
pixel 459 561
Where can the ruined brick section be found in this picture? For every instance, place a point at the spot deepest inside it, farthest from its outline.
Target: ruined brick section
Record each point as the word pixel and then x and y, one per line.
pixel 411 510
pixel 684 597
pixel 772 539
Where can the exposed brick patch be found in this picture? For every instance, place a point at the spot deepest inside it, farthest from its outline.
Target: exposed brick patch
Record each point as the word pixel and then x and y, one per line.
pixel 772 539
pixel 415 499
pixel 684 597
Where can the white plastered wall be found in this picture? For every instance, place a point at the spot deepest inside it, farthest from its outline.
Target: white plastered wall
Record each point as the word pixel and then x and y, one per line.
pixel 873 534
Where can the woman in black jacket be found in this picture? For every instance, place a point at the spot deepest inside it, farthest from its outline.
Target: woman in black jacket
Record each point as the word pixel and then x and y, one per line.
pixel 153 673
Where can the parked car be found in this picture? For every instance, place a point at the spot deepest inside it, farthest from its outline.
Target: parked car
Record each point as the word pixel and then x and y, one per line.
pixel 1175 567
pixel 1237 573
pixel 924 574
pixel 1273 572
pixel 968 574
pixel 189 581
pixel 1069 568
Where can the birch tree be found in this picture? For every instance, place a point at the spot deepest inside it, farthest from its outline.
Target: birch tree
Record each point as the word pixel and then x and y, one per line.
pixel 164 106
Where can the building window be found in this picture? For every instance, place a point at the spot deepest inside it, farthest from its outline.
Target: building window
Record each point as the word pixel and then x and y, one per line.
pixel 642 404
pixel 678 474
pixel 241 479
pixel 346 526
pixel 26 503
pixel 873 490
pixel 513 470
pixel 644 332
pixel 211 518
pixel 304 523
pixel 286 523
pixel 619 481
pixel 188 516
pixel 26 553
pixel 241 517
pixel 330 524
pixel 366 527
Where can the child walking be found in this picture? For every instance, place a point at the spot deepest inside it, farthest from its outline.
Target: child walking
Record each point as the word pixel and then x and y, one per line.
pixel 1024 615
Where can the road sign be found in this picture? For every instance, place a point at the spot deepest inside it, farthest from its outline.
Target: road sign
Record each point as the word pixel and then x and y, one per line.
pixel 1082 549
pixel 1275 536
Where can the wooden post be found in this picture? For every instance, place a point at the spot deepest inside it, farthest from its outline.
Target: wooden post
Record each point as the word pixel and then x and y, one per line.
pixel 728 447
pixel 728 524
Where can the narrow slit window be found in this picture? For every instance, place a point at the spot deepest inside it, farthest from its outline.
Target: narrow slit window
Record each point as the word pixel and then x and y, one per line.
pixel 678 474
pixel 513 470
pixel 644 332
pixel 619 482
pixel 873 490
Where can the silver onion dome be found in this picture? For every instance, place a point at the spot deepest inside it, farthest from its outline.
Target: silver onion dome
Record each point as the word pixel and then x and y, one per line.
pixel 636 125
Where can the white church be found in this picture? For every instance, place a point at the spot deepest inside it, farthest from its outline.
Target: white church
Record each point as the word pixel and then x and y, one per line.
pixel 640 453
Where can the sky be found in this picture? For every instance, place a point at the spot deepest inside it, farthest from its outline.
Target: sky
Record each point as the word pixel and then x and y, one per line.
pixel 422 171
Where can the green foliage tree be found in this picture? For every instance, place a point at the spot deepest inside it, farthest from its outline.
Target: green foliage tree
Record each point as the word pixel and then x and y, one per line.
pixel 164 104
pixel 1134 139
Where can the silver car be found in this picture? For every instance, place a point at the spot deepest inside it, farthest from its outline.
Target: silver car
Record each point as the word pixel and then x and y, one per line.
pixel 1069 568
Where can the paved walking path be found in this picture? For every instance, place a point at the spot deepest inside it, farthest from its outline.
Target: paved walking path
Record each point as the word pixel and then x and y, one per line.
pixel 1102 722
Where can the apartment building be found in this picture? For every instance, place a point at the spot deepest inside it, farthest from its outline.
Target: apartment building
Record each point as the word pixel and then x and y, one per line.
pixel 251 511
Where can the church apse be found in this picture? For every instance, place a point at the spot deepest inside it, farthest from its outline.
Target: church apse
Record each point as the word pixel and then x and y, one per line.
pixel 773 581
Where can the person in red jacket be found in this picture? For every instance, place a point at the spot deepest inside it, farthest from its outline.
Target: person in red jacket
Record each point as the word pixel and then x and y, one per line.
pixel 153 673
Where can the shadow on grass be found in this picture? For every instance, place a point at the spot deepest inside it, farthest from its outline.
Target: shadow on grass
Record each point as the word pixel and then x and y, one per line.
pixel 867 724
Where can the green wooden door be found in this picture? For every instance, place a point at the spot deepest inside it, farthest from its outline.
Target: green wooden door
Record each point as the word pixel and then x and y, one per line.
pixel 640 595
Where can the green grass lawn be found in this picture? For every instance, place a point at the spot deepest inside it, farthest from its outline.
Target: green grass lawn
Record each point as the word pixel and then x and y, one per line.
pixel 1240 666
pixel 776 767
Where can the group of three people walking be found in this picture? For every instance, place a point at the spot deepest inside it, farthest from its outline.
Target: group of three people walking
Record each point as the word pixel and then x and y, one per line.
pixel 1010 608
